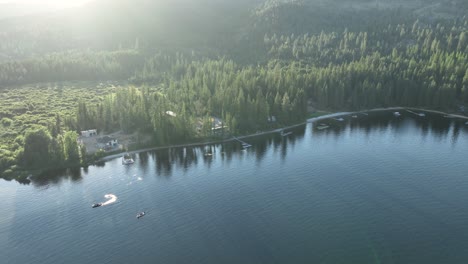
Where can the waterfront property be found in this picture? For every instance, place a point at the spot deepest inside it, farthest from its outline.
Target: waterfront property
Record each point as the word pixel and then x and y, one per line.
pixel 107 142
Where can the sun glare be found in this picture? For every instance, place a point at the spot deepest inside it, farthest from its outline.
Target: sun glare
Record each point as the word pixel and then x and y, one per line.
pixel 49 4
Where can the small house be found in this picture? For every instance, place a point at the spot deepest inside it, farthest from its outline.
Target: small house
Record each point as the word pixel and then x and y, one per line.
pixel 89 133
pixel 107 142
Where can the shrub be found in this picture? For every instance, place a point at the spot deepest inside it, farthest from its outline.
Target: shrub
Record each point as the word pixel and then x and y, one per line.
pixel 6 122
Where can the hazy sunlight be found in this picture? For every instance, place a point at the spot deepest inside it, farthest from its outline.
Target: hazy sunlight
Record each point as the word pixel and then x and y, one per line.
pixel 50 4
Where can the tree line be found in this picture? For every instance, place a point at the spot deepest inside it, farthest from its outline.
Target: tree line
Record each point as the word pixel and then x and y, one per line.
pixel 267 81
pixel 72 66
pixel 244 98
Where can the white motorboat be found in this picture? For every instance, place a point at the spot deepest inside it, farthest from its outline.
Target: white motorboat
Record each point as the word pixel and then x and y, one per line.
pixel 140 215
pixel 127 159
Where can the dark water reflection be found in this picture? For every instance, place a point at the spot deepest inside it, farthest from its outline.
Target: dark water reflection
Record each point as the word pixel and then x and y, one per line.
pixel 439 125
pixel 186 157
pixel 56 177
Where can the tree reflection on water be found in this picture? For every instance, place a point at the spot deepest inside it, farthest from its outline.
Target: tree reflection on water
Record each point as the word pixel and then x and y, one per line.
pixel 186 157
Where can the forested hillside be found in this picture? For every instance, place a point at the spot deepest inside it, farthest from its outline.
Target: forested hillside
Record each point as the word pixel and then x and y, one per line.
pixel 240 61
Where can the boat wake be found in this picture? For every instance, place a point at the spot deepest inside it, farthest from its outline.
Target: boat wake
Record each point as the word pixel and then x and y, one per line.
pixel 112 199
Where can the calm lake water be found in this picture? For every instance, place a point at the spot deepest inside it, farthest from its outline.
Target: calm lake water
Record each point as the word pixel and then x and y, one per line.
pixel 371 189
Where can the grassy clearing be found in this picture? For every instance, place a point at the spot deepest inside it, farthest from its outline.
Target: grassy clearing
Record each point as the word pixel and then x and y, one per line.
pixel 24 107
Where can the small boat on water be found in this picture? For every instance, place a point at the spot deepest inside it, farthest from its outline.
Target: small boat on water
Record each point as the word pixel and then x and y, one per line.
pixel 422 114
pixel 354 116
pixel 96 205
pixel 322 126
pixel 245 145
pixel 340 119
pixel 140 215
pixel 284 134
pixel 127 159
pixel 396 114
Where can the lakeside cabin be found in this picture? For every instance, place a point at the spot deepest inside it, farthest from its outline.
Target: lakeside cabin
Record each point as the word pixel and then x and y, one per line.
pixel 217 125
pixel 89 133
pixel 107 142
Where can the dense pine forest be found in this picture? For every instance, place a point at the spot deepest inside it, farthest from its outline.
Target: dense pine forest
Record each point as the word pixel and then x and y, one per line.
pixel 243 62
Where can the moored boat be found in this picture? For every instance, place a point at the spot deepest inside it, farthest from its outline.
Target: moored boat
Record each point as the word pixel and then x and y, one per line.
pixel 127 159
pixel 322 126
pixel 245 145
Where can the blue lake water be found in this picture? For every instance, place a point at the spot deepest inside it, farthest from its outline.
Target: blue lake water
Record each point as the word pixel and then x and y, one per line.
pixel 371 189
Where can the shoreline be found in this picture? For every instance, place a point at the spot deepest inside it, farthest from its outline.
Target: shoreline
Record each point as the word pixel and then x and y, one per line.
pixel 278 130
pixel 440 112
pixel 200 144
